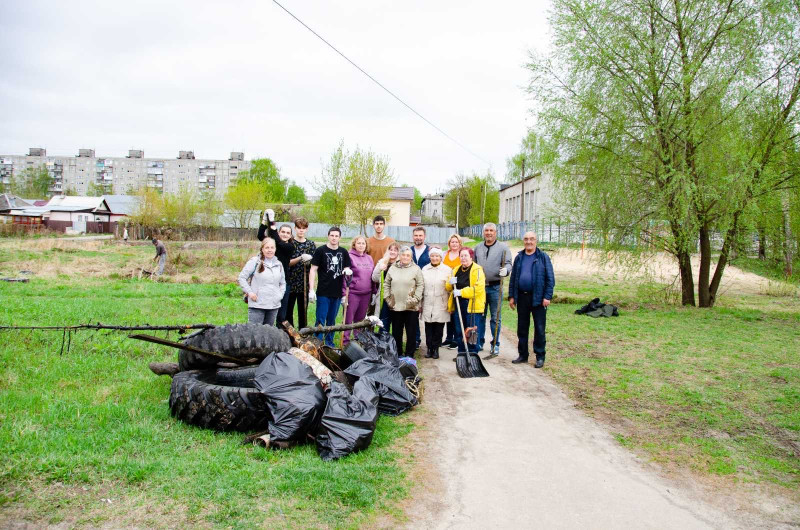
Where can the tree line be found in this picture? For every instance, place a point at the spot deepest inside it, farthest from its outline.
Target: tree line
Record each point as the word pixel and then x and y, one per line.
pixel 673 121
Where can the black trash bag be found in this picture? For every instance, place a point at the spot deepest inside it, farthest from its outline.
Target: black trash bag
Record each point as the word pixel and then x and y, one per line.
pixel 295 398
pixel 379 345
pixel 408 370
pixel 595 308
pixel 349 420
pixel 395 397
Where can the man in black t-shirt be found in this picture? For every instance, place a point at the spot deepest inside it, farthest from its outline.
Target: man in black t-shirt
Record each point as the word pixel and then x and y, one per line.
pixel 331 264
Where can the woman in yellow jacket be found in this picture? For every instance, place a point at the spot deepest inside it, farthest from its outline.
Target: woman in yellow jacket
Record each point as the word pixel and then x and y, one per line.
pixel 468 285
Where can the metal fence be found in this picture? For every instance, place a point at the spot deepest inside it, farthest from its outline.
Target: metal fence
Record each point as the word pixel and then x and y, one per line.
pixel 547 231
pixel 566 233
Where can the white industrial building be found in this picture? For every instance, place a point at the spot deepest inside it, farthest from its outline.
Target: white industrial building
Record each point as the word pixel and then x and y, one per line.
pixel 528 200
pixel 124 175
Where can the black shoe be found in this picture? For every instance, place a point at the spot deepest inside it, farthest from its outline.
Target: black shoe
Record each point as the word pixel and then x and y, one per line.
pixel 539 361
pixel 429 355
pixel 435 353
pixel 519 360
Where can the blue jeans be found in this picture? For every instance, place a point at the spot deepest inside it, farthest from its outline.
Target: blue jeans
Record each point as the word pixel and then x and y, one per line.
pixel 494 303
pixel 327 308
pixel 469 320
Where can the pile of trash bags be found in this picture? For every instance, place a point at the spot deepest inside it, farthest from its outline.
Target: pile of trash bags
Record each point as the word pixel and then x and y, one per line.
pixel 341 418
pixel 595 308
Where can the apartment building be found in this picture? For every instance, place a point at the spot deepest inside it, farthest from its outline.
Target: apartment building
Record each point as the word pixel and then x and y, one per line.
pixel 123 175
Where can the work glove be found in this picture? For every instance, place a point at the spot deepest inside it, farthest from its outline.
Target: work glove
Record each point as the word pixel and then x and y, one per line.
pixel 374 300
pixel 348 271
pixel 456 292
pixel 269 215
pixel 453 280
pixel 375 321
pixel 305 258
pixel 312 297
pixel 503 272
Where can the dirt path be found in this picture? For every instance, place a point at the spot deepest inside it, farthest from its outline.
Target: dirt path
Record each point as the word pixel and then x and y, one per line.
pixel 512 451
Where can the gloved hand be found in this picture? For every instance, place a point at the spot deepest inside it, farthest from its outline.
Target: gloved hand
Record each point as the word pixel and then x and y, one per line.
pixel 312 297
pixel 270 215
pixel 374 300
pixel 375 321
pixel 264 218
pixel 344 300
pixel 305 258
pixel 456 292
pixel 503 272
pixel 453 280
pixel 348 271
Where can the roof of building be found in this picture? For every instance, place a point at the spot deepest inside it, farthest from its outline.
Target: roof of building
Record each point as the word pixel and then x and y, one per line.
pixel 401 194
pixel 73 201
pixel 434 197
pixel 122 204
pixel 7 202
pixel 414 220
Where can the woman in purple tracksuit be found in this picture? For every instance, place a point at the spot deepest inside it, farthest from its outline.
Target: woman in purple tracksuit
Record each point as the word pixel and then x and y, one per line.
pixel 361 286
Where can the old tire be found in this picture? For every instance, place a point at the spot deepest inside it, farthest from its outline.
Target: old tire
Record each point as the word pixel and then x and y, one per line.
pixel 241 341
pixel 206 398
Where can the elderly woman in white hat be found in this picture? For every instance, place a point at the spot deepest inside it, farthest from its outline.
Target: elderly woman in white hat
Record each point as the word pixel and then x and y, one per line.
pixel 434 301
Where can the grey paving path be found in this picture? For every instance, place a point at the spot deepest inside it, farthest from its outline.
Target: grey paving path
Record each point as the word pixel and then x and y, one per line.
pixel 512 451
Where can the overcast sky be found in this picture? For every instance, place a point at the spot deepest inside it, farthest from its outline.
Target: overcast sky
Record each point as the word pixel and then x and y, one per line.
pixel 216 77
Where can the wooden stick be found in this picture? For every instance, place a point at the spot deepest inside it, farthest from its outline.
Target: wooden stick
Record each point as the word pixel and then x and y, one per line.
pixel 338 327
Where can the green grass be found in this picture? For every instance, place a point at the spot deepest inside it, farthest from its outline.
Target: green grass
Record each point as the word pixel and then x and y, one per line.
pixel 715 390
pixel 94 423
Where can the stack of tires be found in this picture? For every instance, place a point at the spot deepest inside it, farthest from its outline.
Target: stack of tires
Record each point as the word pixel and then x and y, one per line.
pixel 224 399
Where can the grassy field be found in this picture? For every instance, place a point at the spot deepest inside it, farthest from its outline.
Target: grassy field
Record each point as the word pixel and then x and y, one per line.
pixel 715 392
pixel 86 436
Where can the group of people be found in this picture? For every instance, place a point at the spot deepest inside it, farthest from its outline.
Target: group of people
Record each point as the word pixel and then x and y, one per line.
pixel 451 291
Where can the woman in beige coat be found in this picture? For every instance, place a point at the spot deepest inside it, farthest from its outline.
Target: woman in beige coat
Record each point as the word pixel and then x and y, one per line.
pixel 434 301
pixel 402 290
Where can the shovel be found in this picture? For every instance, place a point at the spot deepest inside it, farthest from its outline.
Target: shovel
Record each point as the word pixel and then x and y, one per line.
pixel 468 364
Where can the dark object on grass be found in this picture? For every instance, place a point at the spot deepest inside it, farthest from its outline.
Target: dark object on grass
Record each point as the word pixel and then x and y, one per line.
pixel 395 397
pixel 226 400
pixel 349 420
pixel 379 345
pixel 596 309
pixel 408 370
pixel 247 343
pixel 20 280
pixel 467 364
pixel 295 398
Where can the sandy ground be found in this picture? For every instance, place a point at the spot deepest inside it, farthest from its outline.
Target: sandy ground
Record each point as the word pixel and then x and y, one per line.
pixel 661 268
pixel 512 451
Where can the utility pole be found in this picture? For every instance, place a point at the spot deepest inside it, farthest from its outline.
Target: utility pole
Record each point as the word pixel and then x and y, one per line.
pixel 522 194
pixel 483 204
pixel 458 206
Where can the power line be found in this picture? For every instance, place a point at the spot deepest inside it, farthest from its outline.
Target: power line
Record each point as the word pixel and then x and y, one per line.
pixel 409 107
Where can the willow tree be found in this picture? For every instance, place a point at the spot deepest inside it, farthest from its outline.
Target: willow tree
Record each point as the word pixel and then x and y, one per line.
pixel 669 116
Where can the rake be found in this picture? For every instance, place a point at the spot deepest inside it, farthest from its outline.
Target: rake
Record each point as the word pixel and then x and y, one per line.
pixel 467 364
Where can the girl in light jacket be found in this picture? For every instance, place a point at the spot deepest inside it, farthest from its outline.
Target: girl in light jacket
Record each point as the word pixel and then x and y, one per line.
pixel 361 286
pixel 434 301
pixel 263 281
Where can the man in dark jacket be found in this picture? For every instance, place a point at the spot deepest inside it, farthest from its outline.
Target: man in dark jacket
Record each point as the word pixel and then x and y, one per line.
pixel 531 289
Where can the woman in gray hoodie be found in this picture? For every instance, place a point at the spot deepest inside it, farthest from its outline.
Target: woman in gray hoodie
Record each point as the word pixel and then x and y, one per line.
pixel 263 283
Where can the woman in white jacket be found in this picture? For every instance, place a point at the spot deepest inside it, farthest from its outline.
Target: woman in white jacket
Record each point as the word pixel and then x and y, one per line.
pixel 263 282
pixel 434 301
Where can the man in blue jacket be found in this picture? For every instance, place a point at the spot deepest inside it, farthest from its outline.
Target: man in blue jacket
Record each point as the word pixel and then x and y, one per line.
pixel 420 252
pixel 530 292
